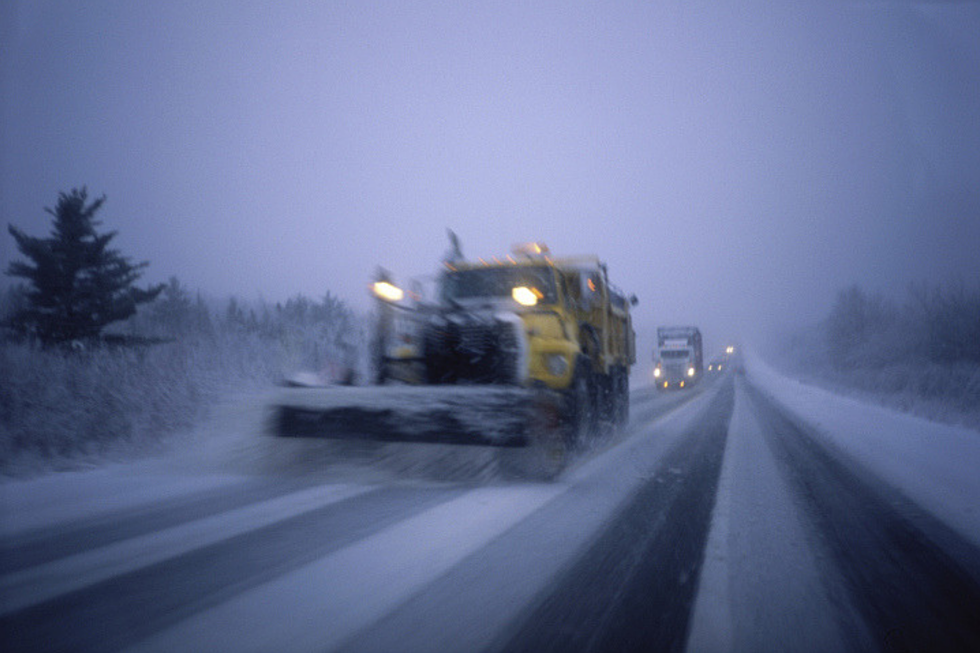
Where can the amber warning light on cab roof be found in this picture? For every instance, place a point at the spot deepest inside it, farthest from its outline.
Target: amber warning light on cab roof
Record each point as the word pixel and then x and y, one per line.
pixel 531 250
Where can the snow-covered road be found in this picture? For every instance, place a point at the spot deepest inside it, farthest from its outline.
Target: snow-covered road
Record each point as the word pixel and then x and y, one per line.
pixel 752 513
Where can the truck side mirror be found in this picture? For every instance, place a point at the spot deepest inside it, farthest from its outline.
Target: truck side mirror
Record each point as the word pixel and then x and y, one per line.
pixel 633 300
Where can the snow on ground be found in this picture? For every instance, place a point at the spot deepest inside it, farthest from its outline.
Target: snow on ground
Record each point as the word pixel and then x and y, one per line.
pixel 220 447
pixel 348 590
pixel 235 447
pixel 934 465
pixel 76 496
pixel 743 605
pixel 36 584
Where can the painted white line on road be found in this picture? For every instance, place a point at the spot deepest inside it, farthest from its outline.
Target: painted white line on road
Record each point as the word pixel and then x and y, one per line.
pixel 322 604
pixel 36 584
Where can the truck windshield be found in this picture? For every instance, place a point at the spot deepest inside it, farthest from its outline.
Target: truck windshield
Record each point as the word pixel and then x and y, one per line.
pixel 675 353
pixel 498 282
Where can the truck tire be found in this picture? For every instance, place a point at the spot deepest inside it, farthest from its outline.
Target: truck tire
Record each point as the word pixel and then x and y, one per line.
pixel 622 396
pixel 581 417
pixel 548 450
pixel 606 400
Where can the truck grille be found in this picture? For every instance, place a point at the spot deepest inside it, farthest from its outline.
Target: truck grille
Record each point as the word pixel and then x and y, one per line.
pixel 475 339
pixel 473 352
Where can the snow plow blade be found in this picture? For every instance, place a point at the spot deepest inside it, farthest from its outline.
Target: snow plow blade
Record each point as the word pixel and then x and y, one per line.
pixel 496 416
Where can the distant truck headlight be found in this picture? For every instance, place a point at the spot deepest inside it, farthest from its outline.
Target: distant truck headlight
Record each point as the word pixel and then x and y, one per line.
pixel 557 364
pixel 656 372
pixel 690 371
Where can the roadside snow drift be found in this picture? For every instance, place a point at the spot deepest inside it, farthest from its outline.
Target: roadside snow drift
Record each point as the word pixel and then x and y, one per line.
pixel 934 465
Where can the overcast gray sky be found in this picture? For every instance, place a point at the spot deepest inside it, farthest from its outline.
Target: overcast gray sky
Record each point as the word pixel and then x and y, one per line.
pixel 734 163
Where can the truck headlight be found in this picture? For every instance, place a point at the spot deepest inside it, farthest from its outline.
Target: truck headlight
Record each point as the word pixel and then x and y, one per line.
pixel 388 291
pixel 524 296
pixel 557 364
pixel 656 372
pixel 690 371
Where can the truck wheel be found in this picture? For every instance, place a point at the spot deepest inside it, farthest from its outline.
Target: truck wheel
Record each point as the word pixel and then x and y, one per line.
pixel 548 450
pixel 607 402
pixel 581 418
pixel 622 394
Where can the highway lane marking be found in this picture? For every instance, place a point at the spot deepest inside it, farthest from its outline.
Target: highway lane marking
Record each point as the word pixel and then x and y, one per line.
pixel 34 585
pixel 324 603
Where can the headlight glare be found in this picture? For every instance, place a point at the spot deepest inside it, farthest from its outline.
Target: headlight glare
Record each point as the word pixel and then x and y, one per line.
pixel 388 291
pixel 524 296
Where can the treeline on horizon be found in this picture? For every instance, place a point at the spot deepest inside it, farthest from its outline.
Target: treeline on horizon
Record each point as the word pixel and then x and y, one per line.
pixel 921 353
pixel 935 324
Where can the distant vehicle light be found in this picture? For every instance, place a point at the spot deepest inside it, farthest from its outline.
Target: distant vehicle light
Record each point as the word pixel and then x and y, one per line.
pixel 656 372
pixel 524 296
pixel 690 371
pixel 682 384
pixel 730 350
pixel 665 384
pixel 387 291
pixel 711 367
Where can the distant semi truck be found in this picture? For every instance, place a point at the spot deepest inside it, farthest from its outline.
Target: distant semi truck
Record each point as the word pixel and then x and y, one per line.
pixel 677 360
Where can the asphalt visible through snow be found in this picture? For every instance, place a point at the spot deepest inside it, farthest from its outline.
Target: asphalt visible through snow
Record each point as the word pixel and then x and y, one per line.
pixel 715 521
pixel 914 583
pixel 634 587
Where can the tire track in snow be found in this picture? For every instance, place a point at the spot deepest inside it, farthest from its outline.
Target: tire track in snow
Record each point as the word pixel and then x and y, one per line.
pixel 634 588
pixel 150 583
pixel 760 587
pixel 911 579
pixel 50 543
pixel 326 602
pixel 479 601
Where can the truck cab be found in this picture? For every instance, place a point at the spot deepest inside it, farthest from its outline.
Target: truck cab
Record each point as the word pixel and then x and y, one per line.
pixel 678 357
pixel 527 320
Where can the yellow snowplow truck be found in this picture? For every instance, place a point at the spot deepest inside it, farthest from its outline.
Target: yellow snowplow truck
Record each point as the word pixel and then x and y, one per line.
pixel 526 351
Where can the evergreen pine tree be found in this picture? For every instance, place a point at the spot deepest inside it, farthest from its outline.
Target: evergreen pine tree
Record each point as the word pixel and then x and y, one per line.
pixel 76 284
